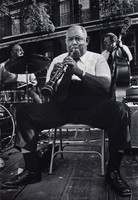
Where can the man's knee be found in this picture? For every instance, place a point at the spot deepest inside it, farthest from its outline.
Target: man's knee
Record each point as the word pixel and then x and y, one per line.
pixel 20 112
pixel 123 108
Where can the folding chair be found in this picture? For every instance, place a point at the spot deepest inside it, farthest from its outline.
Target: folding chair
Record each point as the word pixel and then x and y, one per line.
pixel 74 142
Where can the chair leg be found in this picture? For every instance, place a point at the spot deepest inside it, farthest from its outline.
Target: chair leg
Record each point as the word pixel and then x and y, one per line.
pixel 103 151
pixel 52 153
pixel 61 150
pixel 61 145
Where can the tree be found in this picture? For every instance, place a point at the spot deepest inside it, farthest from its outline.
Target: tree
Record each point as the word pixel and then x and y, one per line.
pixel 35 18
pixel 3 7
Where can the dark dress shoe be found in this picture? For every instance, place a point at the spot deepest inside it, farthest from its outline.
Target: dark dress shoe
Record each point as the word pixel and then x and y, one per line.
pixel 118 184
pixel 23 179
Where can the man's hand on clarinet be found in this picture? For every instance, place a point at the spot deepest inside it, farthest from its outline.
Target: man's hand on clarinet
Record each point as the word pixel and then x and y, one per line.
pixel 58 66
pixel 72 64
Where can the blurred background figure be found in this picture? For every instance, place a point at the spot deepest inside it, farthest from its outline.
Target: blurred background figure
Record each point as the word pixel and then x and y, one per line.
pixel 113 46
pixel 11 81
pixel 113 50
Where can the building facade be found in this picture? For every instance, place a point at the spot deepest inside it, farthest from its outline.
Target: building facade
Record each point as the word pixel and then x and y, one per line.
pixel 23 21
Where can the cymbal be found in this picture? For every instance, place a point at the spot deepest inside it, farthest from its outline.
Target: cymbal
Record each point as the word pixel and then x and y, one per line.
pixel 28 64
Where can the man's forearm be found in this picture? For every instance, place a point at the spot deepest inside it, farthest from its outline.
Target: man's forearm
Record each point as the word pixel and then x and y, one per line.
pixel 96 83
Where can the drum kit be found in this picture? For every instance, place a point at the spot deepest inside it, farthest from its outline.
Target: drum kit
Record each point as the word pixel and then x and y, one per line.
pixel 22 65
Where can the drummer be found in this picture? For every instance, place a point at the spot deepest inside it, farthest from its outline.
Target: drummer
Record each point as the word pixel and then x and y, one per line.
pixel 11 81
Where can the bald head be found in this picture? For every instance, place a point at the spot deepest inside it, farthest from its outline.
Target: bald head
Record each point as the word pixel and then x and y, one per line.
pixel 16 51
pixel 77 27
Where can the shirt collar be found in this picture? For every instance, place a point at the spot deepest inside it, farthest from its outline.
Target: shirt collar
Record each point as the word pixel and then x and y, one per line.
pixel 83 58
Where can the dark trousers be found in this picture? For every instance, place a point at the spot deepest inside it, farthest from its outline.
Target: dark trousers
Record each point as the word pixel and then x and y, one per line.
pixel 105 114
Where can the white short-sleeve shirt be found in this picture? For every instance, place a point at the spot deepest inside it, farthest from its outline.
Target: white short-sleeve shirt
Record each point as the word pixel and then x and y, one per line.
pixel 92 63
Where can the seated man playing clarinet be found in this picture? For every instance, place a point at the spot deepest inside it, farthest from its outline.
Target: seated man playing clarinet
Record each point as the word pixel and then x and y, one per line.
pixel 78 93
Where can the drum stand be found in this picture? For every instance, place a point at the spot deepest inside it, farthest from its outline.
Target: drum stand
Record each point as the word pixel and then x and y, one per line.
pixel 26 72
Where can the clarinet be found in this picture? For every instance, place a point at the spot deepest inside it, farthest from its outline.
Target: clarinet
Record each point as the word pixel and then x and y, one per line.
pixel 48 89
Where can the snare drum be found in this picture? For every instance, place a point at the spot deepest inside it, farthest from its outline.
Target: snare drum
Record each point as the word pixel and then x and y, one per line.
pixel 12 96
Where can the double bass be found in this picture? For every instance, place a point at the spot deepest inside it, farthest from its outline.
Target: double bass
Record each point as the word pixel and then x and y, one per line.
pixel 122 67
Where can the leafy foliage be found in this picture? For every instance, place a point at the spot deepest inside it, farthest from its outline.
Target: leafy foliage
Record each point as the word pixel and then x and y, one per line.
pixel 3 7
pixel 36 18
pixel 111 8
pixel 33 18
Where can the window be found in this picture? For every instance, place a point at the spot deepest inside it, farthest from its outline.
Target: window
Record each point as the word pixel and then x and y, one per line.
pixel 85 4
pixel 16 27
pixel 84 11
pixel 15 22
pixel 64 13
pixel 64 7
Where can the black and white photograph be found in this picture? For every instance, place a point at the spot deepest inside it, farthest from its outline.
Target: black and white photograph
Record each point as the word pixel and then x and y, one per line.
pixel 69 99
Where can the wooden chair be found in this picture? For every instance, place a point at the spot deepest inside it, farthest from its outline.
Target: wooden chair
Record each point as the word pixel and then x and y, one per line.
pixel 74 142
